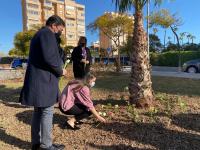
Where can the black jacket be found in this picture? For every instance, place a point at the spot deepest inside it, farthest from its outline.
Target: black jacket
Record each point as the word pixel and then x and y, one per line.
pixel 44 68
pixel 79 69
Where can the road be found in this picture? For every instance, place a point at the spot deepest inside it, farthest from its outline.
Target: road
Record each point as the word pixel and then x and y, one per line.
pixel 168 72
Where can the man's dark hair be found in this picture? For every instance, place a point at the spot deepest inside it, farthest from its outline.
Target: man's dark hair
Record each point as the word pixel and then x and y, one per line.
pixel 55 20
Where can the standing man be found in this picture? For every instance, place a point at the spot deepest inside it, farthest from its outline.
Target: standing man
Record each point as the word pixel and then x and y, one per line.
pixel 40 88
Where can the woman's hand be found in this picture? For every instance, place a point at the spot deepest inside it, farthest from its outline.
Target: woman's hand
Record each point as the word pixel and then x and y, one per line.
pixel 83 61
pixel 101 119
pixel 96 114
pixel 87 62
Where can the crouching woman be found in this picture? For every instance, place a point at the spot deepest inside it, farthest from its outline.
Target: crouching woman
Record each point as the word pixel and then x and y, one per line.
pixel 76 100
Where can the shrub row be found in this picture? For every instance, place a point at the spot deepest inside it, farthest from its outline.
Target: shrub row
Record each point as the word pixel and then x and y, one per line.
pixel 171 59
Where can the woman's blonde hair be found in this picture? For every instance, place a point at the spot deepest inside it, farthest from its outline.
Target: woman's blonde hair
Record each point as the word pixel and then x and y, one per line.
pixel 88 77
pixel 81 83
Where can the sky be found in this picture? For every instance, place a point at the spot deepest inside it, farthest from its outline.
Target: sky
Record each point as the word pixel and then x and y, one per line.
pixel 11 18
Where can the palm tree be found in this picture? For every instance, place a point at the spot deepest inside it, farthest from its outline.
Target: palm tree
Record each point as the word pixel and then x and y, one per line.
pixel 175 30
pixel 192 38
pixel 140 86
pixel 155 30
pixel 169 39
pixel 182 35
pixel 189 37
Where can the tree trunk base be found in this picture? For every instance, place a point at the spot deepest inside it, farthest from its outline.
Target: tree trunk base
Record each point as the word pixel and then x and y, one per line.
pixel 142 103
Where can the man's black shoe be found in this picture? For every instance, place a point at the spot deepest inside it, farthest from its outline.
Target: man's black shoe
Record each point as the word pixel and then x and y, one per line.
pixel 54 147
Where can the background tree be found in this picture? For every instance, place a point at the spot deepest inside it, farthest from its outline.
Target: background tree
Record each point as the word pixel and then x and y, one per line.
pixel 114 27
pixel 192 38
pixel 22 41
pixel 171 47
pixel 175 29
pixel 154 43
pixel 155 30
pixel 189 37
pixel 127 47
pixel 191 47
pixel 164 19
pixel 182 36
pixel 140 86
pixel 169 39
pixel 14 52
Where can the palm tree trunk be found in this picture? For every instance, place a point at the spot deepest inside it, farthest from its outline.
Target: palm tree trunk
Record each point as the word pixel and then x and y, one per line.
pixel 140 86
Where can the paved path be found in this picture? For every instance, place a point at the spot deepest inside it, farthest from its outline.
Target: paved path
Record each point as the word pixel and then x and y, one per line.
pixel 177 74
pixel 171 73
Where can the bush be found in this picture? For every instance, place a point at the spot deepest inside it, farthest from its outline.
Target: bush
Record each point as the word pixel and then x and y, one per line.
pixel 6 60
pixel 171 59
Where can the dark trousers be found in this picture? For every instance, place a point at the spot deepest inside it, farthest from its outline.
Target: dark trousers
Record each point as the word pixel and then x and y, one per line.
pixel 78 110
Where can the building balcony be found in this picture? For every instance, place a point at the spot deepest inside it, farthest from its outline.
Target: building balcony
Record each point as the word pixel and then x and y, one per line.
pixel 60 1
pixel 70 14
pixel 34 1
pixel 70 18
pixel 33 18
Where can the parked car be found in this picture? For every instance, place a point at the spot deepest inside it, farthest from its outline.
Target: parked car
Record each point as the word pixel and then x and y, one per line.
pixel 18 63
pixel 192 66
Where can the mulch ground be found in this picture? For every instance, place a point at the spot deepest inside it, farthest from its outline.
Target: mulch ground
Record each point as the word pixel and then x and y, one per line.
pixel 167 126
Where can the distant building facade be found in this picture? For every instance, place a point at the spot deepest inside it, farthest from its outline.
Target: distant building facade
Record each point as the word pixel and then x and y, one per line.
pixel 36 12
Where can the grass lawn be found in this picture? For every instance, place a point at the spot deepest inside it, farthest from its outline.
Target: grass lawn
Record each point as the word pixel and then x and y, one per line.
pixel 173 123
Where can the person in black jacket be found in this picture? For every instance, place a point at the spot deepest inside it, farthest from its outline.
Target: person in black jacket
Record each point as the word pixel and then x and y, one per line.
pixel 40 88
pixel 81 58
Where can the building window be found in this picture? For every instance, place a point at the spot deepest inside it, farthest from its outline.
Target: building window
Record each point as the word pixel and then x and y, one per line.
pixel 32 12
pixel 80 26
pixel 81 20
pixel 80 8
pixel 81 32
pixel 32 20
pixel 32 5
pixel 70 8
pixel 70 36
pixel 70 24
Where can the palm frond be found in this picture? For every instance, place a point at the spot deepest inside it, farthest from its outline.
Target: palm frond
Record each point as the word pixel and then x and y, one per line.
pixel 123 5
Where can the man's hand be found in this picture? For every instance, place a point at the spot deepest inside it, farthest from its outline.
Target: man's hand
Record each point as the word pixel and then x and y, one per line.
pixel 64 72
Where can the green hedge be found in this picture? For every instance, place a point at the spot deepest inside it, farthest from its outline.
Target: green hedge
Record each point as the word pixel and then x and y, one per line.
pixel 171 59
pixel 6 60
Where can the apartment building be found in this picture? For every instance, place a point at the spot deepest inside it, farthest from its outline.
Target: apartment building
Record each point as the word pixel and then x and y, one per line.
pixel 36 12
pixel 108 44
